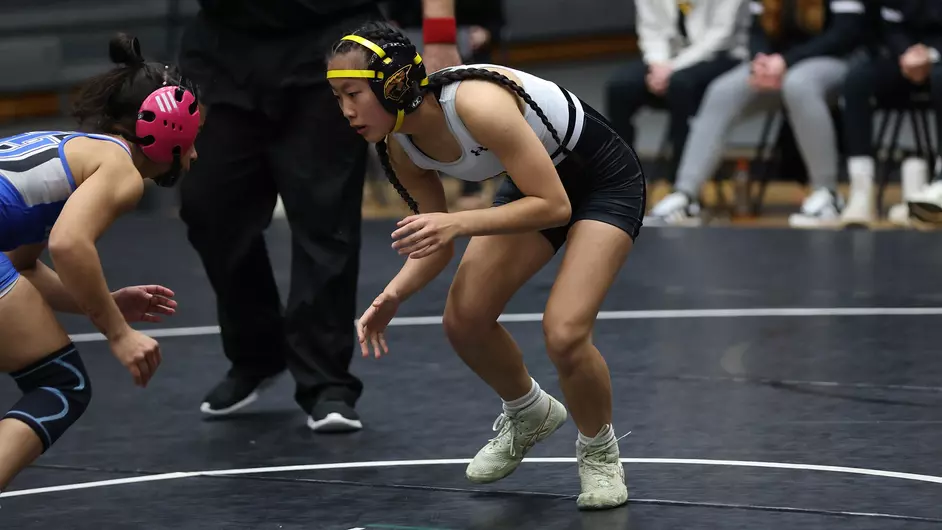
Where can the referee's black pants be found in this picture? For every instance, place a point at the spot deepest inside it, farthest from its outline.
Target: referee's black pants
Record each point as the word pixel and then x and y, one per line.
pixel 316 162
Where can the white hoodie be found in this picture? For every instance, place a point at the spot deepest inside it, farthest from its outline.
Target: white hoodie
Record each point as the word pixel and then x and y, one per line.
pixel 713 27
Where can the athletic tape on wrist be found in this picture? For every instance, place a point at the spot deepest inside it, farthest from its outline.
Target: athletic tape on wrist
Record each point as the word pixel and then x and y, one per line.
pixel 440 30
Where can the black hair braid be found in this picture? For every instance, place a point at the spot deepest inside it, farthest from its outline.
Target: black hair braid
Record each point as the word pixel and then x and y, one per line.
pixel 378 32
pixel 386 33
pixel 444 77
pixel 393 179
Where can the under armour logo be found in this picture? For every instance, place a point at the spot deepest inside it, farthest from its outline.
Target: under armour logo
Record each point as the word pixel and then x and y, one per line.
pixel 478 150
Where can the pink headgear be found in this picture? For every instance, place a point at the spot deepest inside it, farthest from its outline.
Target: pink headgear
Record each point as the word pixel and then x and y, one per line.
pixel 168 118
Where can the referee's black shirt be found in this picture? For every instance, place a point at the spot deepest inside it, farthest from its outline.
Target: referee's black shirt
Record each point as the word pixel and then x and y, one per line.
pixel 279 15
pixel 245 52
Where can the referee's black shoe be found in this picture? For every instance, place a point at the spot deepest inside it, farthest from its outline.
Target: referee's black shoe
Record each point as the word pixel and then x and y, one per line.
pixel 235 392
pixel 333 416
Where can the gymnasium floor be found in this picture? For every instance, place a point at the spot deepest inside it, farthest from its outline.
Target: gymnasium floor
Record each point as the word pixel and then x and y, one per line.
pixel 771 379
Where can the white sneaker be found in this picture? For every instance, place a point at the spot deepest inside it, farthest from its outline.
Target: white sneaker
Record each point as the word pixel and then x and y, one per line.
pixel 898 214
pixel 821 209
pixel 676 209
pixel 601 475
pixel 517 434
pixel 926 205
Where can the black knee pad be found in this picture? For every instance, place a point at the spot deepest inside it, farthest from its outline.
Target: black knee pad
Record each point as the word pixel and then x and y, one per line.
pixel 56 392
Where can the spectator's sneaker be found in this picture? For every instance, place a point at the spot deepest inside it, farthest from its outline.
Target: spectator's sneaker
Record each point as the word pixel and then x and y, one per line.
pixel 334 416
pixel 898 214
pixel 517 434
pixel 235 392
pixel 860 210
pixel 926 204
pixel 821 209
pixel 676 209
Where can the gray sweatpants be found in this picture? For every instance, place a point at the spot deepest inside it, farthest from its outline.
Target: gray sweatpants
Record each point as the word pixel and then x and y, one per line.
pixel 809 86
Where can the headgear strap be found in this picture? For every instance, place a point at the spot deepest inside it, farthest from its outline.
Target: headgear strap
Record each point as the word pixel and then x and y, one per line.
pixel 396 73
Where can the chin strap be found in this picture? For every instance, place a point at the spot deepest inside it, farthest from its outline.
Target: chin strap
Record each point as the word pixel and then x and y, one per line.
pixel 169 179
pixel 400 115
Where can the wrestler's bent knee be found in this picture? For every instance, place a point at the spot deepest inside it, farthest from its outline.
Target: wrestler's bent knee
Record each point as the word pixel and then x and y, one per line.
pixel 56 391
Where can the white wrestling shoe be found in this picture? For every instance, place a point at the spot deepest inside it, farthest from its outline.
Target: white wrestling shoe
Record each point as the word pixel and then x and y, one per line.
pixel 517 434
pixel 601 474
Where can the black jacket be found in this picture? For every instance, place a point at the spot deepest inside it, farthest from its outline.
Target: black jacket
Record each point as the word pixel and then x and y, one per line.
pixel 843 29
pixel 247 52
pixel 905 23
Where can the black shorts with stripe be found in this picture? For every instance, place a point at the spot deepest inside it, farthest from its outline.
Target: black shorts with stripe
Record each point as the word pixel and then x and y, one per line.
pixel 602 177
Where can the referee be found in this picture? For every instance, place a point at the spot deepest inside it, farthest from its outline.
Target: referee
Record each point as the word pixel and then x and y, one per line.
pixel 273 127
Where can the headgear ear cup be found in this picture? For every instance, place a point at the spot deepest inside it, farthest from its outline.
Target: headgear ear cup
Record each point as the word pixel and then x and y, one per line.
pixel 396 73
pixel 167 123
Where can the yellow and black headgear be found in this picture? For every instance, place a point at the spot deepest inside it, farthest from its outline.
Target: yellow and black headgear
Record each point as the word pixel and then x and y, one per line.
pixel 396 73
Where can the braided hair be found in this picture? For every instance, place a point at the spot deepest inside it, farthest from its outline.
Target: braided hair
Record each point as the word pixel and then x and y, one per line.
pixel 382 33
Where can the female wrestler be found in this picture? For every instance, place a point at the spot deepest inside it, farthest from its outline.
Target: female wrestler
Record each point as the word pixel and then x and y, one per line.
pixel 63 190
pixel 569 178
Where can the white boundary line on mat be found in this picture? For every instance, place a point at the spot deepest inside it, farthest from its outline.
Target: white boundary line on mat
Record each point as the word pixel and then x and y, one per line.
pixel 603 315
pixel 463 461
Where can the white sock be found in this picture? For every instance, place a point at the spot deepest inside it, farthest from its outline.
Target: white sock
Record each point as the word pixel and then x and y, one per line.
pixel 607 434
pixel 515 406
pixel 860 171
pixel 913 175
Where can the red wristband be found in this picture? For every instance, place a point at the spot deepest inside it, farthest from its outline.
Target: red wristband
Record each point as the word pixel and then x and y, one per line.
pixel 439 31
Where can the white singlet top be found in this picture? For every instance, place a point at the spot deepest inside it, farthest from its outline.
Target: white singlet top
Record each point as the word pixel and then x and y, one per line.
pixel 561 107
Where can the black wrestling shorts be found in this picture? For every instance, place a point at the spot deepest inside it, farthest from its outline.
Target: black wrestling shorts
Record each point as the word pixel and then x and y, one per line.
pixel 602 177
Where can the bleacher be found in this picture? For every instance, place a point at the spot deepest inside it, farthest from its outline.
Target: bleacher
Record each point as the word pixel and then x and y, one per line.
pixel 48 46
